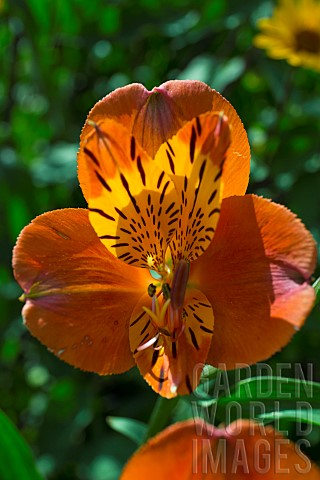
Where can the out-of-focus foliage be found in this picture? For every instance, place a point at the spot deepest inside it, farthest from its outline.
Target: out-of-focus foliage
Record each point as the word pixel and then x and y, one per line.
pixel 57 59
pixel 16 458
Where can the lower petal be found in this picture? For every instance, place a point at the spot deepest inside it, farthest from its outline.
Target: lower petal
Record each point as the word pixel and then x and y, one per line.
pixel 173 367
pixel 256 275
pixel 79 297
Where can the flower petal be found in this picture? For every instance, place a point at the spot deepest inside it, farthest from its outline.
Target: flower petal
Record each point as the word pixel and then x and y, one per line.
pixel 79 298
pixel 237 166
pixel 152 116
pixel 194 161
pixel 195 450
pixel 166 365
pixel 130 198
pixel 256 276
pixel 155 116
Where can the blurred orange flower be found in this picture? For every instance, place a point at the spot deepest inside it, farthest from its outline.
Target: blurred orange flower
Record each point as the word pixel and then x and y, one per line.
pixel 244 449
pixel 171 266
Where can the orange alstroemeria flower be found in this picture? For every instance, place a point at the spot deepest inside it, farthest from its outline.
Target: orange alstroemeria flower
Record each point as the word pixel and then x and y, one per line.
pixel 171 266
pixel 193 450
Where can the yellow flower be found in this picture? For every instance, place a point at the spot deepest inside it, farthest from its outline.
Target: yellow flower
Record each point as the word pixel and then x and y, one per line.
pixel 292 33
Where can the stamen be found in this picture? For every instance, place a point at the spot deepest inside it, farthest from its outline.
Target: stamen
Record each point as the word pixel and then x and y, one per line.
pixel 148 343
pixel 155 305
pixel 164 311
pixel 152 290
pixel 157 315
pixel 151 314
pixel 166 290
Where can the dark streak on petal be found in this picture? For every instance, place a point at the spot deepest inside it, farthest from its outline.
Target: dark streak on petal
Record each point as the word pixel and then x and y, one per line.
pixel 163 192
pixel 133 148
pixel 145 327
pixel 137 319
pixel 171 149
pixel 170 207
pixel 102 213
pixel 214 193
pixel 92 156
pixel 192 144
pixel 215 210
pixel 194 339
pixel 141 171
pixel 160 179
pixel 126 186
pixel 170 162
pixel 102 181
pixel 205 305
pixel 205 329
pixel 119 212
pixel 198 124
pixel 198 318
pixel 109 237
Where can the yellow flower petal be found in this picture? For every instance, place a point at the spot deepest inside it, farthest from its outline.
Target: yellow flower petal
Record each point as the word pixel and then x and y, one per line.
pixel 131 200
pixel 292 33
pixel 194 160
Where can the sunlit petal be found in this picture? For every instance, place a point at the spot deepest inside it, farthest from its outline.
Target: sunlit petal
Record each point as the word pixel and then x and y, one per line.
pixel 130 197
pixel 155 116
pixel 194 161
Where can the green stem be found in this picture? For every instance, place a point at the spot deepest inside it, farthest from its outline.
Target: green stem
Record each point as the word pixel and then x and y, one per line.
pixel 160 416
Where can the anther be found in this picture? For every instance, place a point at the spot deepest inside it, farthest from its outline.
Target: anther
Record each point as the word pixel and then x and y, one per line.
pixel 166 290
pixel 151 290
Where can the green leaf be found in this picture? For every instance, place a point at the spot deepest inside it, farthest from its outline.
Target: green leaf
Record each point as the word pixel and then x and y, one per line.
pixel 301 416
pixel 227 73
pixel 255 397
pixel 16 457
pixel 316 286
pixel 128 427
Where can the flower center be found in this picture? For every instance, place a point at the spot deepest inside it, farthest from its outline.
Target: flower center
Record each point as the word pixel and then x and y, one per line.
pixel 308 41
pixel 166 311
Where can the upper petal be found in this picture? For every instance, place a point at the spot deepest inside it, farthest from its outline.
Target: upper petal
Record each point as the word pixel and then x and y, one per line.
pixel 256 275
pixel 195 450
pixel 155 116
pixel 194 159
pixel 79 298
pixel 130 197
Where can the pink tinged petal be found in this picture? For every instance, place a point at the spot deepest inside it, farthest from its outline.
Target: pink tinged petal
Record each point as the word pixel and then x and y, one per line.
pixel 155 116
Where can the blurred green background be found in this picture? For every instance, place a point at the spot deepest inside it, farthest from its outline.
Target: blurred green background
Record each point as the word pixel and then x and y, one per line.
pixel 58 58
